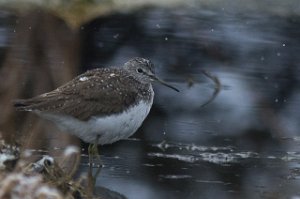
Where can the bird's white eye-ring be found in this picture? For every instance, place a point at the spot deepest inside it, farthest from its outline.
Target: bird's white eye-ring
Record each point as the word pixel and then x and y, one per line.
pixel 139 70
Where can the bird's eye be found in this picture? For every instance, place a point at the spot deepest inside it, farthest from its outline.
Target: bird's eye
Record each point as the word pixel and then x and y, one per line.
pixel 139 70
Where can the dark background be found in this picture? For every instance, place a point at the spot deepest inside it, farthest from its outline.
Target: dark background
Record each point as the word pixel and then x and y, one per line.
pixel 244 144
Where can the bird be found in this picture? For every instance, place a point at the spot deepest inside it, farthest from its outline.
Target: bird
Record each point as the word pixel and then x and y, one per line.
pixel 102 105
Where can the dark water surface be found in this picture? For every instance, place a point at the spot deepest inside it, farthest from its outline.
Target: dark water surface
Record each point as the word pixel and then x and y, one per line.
pixel 244 144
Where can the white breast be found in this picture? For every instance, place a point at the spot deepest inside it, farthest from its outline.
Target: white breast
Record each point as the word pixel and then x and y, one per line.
pixel 109 128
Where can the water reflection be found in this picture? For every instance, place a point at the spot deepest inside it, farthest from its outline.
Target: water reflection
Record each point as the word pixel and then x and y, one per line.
pixel 189 170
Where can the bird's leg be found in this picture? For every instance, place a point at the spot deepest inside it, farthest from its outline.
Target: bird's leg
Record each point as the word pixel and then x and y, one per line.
pixel 94 153
pixel 97 154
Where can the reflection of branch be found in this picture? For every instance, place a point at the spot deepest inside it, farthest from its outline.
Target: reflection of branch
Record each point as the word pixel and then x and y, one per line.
pixel 217 87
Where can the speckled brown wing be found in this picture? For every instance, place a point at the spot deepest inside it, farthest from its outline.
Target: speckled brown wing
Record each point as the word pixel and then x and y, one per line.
pixel 96 92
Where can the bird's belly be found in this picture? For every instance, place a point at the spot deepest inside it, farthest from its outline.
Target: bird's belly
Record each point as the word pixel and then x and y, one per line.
pixel 119 126
pixel 108 129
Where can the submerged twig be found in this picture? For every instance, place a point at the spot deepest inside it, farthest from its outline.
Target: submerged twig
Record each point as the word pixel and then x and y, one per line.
pixel 217 87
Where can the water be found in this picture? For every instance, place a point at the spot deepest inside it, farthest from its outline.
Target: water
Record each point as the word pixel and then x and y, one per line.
pixel 245 143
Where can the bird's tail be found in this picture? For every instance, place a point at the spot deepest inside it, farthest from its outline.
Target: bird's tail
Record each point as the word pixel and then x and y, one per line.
pixel 24 104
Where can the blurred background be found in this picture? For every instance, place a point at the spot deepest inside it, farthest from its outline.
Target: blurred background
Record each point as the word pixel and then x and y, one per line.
pixel 244 144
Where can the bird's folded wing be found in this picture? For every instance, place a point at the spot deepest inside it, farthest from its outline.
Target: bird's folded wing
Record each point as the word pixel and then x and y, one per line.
pixel 83 99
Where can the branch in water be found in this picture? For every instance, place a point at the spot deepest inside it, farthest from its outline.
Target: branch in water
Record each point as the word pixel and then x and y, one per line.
pixel 217 87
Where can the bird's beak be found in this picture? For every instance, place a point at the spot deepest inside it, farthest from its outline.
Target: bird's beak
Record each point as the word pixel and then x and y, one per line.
pixel 155 78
